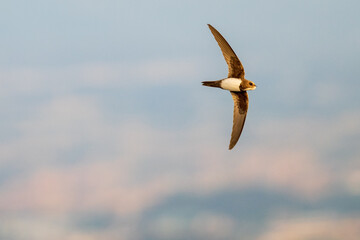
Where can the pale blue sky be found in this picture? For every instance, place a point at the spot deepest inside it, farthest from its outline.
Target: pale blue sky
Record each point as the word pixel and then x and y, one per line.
pixel 106 130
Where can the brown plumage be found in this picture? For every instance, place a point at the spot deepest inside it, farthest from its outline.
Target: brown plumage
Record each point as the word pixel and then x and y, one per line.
pixel 236 69
pixel 235 80
pixel 212 83
pixel 241 103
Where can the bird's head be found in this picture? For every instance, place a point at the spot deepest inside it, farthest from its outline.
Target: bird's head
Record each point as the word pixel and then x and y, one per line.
pixel 247 85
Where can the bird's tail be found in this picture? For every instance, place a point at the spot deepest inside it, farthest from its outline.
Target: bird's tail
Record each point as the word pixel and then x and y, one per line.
pixel 212 83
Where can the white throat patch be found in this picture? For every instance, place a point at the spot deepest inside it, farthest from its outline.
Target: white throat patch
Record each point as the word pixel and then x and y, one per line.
pixel 250 88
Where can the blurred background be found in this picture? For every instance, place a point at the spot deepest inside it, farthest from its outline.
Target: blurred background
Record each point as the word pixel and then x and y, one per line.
pixel 107 133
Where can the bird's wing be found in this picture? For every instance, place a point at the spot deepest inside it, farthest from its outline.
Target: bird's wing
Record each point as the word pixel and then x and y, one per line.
pixel 236 69
pixel 241 103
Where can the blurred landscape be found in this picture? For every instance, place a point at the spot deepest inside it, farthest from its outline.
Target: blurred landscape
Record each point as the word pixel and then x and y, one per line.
pixel 107 133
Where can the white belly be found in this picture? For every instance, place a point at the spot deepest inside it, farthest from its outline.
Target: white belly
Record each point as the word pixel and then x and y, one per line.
pixel 231 84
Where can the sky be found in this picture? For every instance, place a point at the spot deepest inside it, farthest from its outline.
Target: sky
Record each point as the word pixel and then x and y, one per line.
pixel 107 132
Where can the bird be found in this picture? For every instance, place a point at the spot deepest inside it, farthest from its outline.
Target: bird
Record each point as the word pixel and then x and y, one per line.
pixel 235 83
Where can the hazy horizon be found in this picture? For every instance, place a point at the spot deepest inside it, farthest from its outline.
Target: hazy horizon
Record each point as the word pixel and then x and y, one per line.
pixel 107 132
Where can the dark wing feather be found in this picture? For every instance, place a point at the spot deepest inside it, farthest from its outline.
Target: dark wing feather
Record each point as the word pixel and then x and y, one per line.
pixel 236 69
pixel 241 103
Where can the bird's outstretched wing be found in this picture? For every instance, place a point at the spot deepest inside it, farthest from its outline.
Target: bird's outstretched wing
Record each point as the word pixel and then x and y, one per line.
pixel 236 69
pixel 241 103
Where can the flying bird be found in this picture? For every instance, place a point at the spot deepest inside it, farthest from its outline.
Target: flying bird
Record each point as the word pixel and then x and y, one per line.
pixel 235 83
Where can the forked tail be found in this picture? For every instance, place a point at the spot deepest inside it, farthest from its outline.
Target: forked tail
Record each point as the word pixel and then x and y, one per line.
pixel 212 83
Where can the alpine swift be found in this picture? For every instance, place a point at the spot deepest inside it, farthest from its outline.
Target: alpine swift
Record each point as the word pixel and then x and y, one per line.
pixel 235 83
